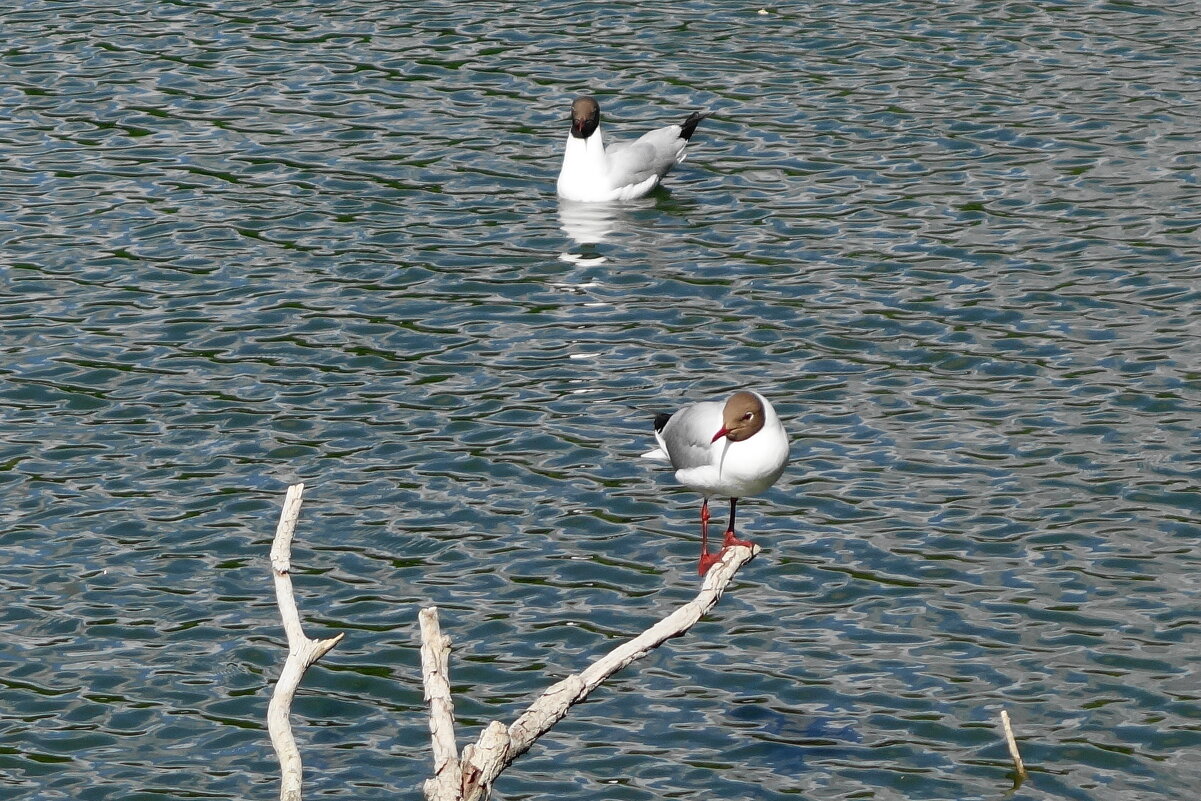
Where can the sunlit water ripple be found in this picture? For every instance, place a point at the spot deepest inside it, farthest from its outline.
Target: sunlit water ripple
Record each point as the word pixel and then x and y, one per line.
pixel 251 244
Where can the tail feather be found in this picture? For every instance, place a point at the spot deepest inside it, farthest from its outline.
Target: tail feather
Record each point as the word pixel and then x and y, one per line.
pixel 661 451
pixel 688 127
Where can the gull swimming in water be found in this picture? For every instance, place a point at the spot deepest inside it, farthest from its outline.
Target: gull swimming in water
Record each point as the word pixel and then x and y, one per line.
pixel 593 173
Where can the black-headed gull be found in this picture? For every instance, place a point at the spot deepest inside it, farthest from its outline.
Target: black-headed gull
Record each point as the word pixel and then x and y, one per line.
pixel 592 173
pixel 733 448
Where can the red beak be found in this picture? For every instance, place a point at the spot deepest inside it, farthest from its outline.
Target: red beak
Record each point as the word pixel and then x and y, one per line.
pixel 719 435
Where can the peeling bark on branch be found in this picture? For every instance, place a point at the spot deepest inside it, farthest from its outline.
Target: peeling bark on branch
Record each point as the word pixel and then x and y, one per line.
pixel 302 651
pixel 435 674
pixel 499 745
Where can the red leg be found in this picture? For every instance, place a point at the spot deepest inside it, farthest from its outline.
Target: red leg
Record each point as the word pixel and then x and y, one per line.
pixel 730 539
pixel 707 559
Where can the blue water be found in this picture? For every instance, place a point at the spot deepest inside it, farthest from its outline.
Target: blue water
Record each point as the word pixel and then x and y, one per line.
pixel 249 244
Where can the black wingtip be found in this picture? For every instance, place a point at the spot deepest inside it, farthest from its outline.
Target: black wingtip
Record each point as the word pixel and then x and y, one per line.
pixel 661 420
pixel 688 127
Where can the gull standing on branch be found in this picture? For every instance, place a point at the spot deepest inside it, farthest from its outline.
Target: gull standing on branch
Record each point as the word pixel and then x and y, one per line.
pixel 592 173
pixel 734 449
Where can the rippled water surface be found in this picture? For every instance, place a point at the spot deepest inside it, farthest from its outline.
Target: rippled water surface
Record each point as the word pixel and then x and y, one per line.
pixel 247 244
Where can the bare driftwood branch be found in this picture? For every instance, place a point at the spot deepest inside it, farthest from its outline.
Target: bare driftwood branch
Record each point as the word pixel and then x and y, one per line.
pixel 499 745
pixel 302 652
pixel 435 673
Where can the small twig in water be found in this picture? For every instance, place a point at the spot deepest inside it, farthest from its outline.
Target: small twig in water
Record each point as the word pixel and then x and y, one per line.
pixel 1013 746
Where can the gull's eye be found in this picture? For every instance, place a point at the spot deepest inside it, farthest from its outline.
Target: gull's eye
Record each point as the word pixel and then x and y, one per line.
pixel 748 416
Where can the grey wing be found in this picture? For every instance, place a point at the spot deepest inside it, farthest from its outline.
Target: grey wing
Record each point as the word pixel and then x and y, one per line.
pixel 652 155
pixel 688 436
